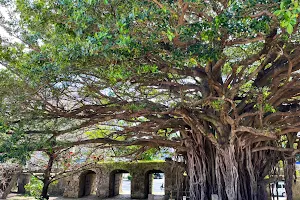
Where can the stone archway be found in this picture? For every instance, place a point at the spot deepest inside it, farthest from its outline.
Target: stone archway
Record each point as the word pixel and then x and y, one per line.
pixel 106 179
pixel 115 182
pixel 87 183
pixel 155 182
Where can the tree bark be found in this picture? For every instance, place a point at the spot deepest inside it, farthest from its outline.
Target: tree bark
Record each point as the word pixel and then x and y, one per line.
pixel 289 171
pixel 197 169
pixel 44 194
pixel 227 171
pixel 47 176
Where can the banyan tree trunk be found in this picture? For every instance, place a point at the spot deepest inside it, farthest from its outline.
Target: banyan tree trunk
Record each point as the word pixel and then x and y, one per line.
pixel 197 169
pixel 226 171
pixel 289 171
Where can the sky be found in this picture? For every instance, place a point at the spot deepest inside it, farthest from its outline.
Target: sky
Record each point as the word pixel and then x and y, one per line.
pixel 3 33
pixel 4 13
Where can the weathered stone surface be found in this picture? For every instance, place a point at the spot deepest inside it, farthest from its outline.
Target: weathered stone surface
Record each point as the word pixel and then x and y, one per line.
pixel 8 177
pixel 57 188
pixel 104 180
pixel 23 179
pixel 108 179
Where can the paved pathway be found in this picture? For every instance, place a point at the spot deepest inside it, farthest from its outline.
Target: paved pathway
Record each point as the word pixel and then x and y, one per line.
pixel 19 197
pixel 125 194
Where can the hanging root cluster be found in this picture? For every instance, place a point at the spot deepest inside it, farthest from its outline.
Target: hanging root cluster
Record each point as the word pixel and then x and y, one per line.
pixel 229 171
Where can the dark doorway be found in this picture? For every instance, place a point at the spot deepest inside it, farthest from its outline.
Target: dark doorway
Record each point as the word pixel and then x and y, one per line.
pixel 155 182
pixel 119 183
pixel 87 183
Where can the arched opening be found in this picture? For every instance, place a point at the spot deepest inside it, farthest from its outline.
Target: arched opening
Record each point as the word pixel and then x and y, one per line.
pixel 14 188
pixel 155 182
pixel 19 186
pixel 119 183
pixel 87 183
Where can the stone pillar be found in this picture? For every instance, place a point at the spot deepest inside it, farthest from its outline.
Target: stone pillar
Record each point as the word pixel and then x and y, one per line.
pixel 103 184
pixel 150 178
pixel 57 189
pixel 22 181
pixel 72 187
pixel 138 186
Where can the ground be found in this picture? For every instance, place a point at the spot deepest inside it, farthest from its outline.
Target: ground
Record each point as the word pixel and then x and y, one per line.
pixel 126 186
pixel 157 190
pixel 18 197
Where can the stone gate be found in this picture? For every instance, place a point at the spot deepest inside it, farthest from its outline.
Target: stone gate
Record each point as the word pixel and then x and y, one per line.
pixel 104 179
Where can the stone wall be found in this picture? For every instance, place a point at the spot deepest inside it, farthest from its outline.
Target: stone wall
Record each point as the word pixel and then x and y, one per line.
pixel 8 178
pixel 57 188
pixel 22 181
pixel 105 179
pixel 108 179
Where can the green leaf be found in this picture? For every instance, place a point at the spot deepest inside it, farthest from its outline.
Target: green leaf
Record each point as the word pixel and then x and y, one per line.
pixel 293 21
pixel 288 13
pixel 284 23
pixel 170 35
pixel 277 12
pixel 289 28
pixel 282 5
pixel 105 2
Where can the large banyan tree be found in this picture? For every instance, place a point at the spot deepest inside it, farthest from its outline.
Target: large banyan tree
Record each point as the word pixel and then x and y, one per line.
pixel 218 80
